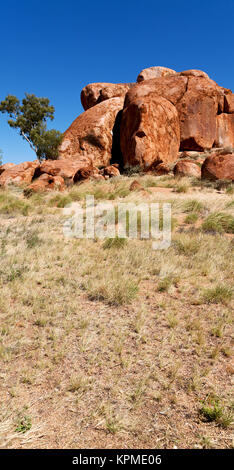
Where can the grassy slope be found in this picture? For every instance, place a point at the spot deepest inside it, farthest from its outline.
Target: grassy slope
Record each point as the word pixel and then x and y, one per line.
pixel 116 345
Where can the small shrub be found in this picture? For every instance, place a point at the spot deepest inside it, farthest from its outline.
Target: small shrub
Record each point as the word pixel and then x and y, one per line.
pixel 32 239
pixel 193 206
pixel 182 188
pixel 187 246
pixel 150 182
pixel 219 222
pixel 12 205
pixel 211 411
pixel 191 218
pixel 60 201
pixel 115 243
pixel 78 384
pixel 165 283
pixel 23 425
pixel 115 291
pixel 132 170
pixel 230 189
pixel 218 294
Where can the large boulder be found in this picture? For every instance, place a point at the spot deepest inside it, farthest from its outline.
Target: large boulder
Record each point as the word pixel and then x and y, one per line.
pixel 198 110
pixel 154 72
pixel 149 132
pixel 172 88
pixel 159 169
pixel 46 182
pixel 6 166
pixel 198 100
pixel 19 174
pixel 218 166
pixel 95 93
pixel 111 171
pixel 91 134
pixel 187 168
pixel 65 168
pixel 224 130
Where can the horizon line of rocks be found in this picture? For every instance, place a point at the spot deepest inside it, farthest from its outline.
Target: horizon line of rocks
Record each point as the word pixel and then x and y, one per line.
pixel 166 121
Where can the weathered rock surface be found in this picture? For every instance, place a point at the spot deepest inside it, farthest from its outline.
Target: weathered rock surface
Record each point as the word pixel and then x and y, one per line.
pixel 159 169
pixel 219 166
pixel 47 182
pixel 194 73
pixel 187 168
pixel 136 186
pixel 6 166
pixel 95 93
pixel 90 135
pixel 149 132
pixel 66 168
pixel 18 174
pixel 197 110
pixel 111 170
pixel 154 72
pixel 87 172
pixel 224 130
pixel 172 88
pixel 198 100
pixel 228 102
pixel 164 117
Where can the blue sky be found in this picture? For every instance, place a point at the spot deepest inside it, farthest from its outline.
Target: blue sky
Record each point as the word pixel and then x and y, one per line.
pixel 54 47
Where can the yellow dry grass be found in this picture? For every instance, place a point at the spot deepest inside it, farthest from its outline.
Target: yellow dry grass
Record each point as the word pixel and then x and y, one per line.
pixel 116 345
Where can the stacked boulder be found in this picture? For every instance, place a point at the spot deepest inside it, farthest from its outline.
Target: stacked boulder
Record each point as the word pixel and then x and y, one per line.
pixel 151 123
pixel 166 120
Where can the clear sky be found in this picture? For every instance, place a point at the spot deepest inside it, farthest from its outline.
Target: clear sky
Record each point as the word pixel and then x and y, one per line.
pixel 53 48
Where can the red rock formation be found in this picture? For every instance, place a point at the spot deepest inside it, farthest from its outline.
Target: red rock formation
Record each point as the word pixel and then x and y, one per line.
pixel 187 168
pixel 154 72
pixel 194 73
pixel 95 93
pixel 47 182
pixel 224 130
pixel 6 166
pixel 218 167
pixel 111 171
pixel 18 174
pixel 159 169
pixel 136 186
pixel 65 168
pixel 84 173
pixel 172 88
pixel 197 110
pixel 198 100
pixel 228 102
pixel 90 135
pixel 149 131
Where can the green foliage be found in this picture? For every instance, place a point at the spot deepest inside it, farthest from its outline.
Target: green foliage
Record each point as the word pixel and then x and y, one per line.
pixel 212 410
pixel 24 424
pixel 29 118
